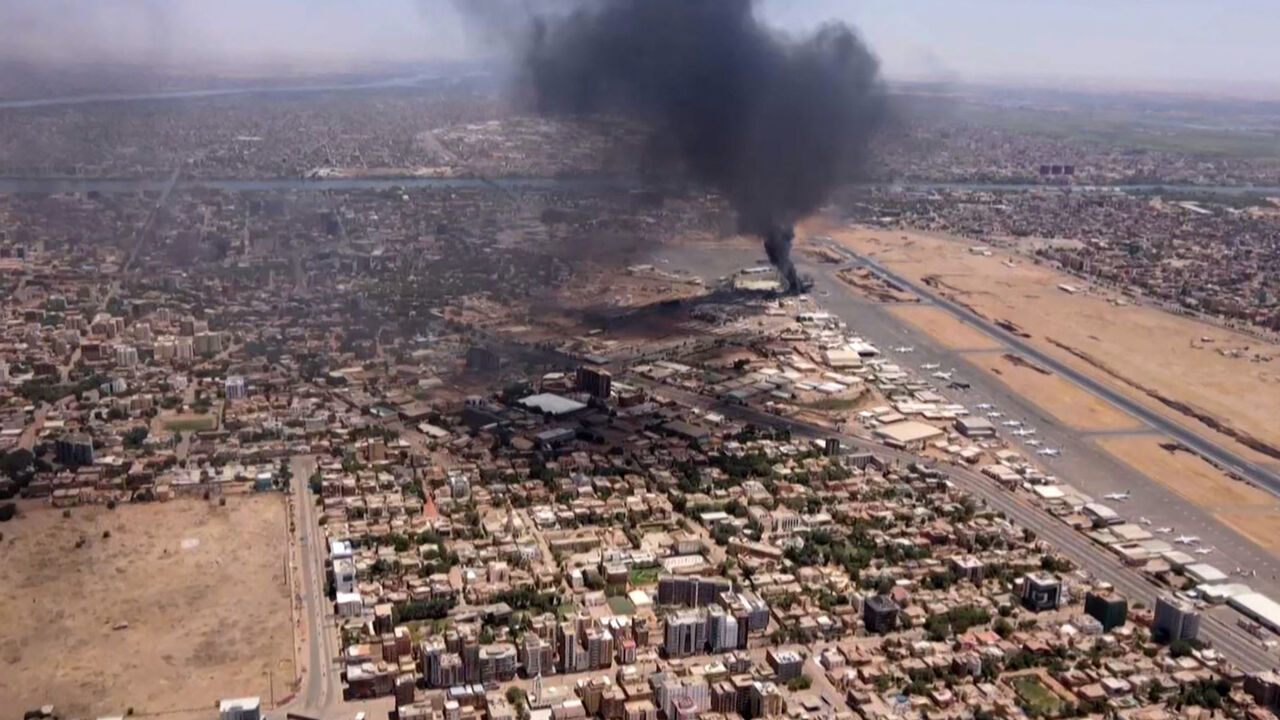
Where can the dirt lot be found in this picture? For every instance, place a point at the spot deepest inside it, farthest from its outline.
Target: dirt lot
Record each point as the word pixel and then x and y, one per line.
pixel 202 588
pixel 944 328
pixel 1154 348
pixel 1061 399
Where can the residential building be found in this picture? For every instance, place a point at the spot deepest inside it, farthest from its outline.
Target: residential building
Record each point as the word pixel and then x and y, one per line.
pixel 787 664
pixel 596 382
pixel 1041 591
pixel 1175 619
pixel 74 450
pixel 1110 609
pixel 686 633
pixel 880 614
pixel 691 590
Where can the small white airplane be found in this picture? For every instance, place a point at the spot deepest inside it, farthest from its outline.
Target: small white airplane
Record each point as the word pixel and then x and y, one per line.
pixel 995 414
pixel 1164 529
pixel 1117 495
pixel 983 406
pixel 904 349
pixel 1049 452
pixel 1024 432
pixel 1187 539
pixel 1203 551
pixel 943 375
pixel 1033 443
pixel 1144 521
pixel 930 366
pixel 1012 423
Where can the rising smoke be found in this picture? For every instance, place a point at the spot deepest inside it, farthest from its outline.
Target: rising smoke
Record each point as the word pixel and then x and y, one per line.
pixel 770 122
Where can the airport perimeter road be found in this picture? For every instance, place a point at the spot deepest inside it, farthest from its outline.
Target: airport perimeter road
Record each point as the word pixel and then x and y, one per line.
pixel 1206 447
pixel 1216 625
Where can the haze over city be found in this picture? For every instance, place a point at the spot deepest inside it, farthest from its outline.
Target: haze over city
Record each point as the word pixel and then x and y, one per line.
pixel 1180 45
pixel 639 360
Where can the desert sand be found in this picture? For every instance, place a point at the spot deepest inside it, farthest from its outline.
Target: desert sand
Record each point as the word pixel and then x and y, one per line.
pixel 944 328
pixel 202 590
pixel 1067 403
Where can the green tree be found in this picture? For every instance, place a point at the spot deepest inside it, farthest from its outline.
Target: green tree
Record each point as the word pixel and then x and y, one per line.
pixel 516 696
pixel 134 436
pixel 800 683
pixel 15 462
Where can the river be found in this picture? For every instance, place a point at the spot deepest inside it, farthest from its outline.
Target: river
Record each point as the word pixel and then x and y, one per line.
pixel 60 185
pixel 394 82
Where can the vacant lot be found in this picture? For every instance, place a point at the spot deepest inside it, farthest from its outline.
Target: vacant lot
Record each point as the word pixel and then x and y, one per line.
pixel 1035 696
pixel 202 589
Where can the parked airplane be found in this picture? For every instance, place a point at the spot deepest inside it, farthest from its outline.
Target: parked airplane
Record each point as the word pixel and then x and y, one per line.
pixel 1117 495
pixel 1203 551
pixel 1012 423
pixel 1144 521
pixel 1050 452
pixel 1024 432
pixel 943 375
pixel 1164 529
pixel 904 349
pixel 1033 443
pixel 995 414
pixel 983 406
pixel 1187 539
pixel 930 366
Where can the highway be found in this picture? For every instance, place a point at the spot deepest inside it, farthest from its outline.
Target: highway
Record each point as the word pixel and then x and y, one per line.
pixel 1197 442
pixel 1233 642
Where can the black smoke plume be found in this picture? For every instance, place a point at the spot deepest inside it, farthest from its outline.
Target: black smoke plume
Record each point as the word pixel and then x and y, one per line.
pixel 770 122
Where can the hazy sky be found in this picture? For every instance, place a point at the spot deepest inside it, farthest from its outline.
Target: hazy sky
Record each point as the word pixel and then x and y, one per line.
pixel 1182 43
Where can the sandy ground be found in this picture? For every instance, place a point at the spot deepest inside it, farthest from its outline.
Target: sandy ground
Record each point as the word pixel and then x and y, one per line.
pixel 201 587
pixel 1187 474
pixel 1261 525
pixel 944 328
pixel 1252 511
pixel 1155 348
pixel 1067 403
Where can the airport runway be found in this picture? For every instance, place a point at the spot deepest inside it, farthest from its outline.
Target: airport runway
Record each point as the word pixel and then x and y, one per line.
pixel 1200 443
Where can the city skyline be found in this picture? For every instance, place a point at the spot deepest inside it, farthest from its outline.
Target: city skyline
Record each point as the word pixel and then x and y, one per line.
pixel 1178 46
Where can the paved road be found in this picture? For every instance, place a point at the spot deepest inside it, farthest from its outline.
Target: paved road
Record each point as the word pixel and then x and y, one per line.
pixel 1200 443
pixel 323 685
pixel 1240 647
pixel 151 218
